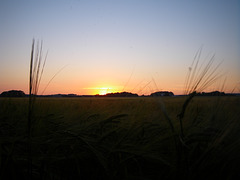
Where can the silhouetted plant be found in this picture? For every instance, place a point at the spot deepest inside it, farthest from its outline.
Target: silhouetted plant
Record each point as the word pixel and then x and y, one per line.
pixel 196 80
pixel 36 72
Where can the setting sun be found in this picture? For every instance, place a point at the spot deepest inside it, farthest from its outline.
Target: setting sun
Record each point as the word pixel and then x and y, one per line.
pixel 104 90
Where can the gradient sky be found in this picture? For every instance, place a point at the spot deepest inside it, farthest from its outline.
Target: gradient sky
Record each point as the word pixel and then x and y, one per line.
pixel 118 45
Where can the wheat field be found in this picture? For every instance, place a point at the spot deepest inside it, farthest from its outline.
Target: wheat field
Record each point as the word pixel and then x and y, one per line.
pixel 121 138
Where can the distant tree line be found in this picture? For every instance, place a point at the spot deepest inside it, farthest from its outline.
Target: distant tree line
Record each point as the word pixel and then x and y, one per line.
pixel 118 94
pixel 19 93
pixel 213 93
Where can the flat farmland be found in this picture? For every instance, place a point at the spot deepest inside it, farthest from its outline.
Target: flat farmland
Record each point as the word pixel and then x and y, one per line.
pixel 120 138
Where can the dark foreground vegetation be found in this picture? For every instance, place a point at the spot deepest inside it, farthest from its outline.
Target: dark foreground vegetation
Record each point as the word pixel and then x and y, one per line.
pixel 120 138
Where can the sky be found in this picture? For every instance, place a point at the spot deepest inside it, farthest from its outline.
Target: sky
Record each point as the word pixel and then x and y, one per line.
pixel 103 46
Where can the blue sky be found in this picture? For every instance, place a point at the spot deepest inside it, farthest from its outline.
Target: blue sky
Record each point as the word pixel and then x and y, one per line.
pixel 122 45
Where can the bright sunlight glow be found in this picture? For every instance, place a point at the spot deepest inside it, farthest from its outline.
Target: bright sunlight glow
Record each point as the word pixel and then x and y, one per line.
pixel 104 90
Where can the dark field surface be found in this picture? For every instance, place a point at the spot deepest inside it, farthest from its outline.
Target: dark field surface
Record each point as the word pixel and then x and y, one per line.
pixel 120 138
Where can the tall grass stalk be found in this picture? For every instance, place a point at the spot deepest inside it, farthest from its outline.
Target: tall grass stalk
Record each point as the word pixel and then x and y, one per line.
pixel 36 72
pixel 198 78
pixel 196 81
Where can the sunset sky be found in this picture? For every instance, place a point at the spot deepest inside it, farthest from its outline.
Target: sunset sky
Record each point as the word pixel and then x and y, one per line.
pixel 139 46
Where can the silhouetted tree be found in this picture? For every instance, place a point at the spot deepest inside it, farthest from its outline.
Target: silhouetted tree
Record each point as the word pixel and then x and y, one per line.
pixel 119 94
pixel 13 93
pixel 162 93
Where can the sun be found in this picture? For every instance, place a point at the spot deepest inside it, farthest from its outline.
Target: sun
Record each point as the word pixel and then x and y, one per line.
pixel 104 90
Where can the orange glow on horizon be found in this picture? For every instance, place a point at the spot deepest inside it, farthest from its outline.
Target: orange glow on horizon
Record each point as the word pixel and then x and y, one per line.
pixel 102 90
